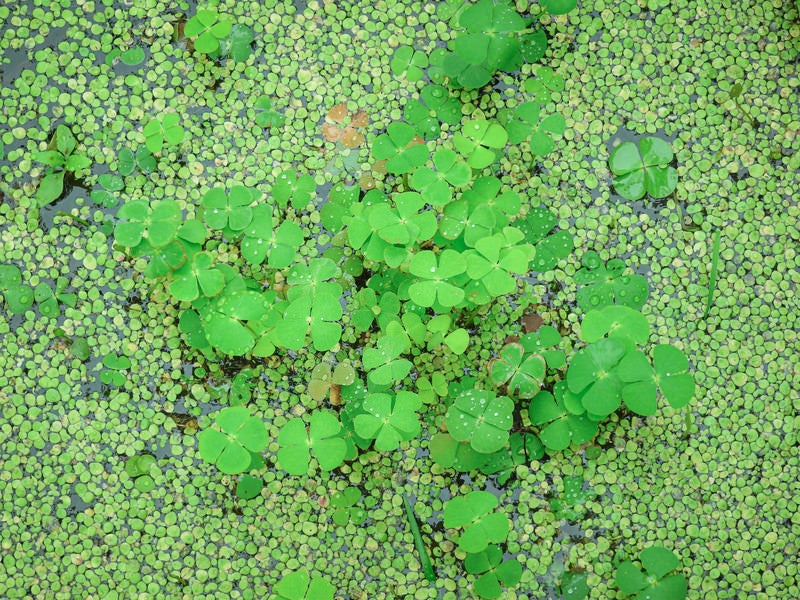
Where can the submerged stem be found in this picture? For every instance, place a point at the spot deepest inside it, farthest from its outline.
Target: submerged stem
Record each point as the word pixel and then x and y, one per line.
pixel 424 559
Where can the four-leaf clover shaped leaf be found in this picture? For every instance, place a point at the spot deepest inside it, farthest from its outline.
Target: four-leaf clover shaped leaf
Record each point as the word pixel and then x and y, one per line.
pixel 434 106
pixel 482 418
pixel 323 439
pixel 478 142
pixel 266 115
pixel 593 373
pixel 161 130
pixel 434 287
pixel 297 188
pixel 643 170
pixel 654 583
pixel 605 284
pixel 196 277
pixel 398 147
pixel 408 63
pixel 481 526
pixel 546 81
pixel 389 420
pixel 562 426
pixel 383 362
pixel 524 374
pixel 207 27
pixel 236 436
pixel 435 185
pixel 300 586
pixel 158 222
pixel 229 211
pixel 224 320
pixel 497 573
pixel 261 240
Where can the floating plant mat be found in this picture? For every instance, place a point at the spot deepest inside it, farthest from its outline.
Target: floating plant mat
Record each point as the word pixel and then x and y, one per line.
pixel 371 195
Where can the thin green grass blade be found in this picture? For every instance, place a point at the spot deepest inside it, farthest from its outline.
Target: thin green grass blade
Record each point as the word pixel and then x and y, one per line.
pixel 712 280
pixel 424 559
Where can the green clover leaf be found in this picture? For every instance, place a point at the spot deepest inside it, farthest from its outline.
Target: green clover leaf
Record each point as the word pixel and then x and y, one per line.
pixel 482 418
pixel 322 439
pixel 236 436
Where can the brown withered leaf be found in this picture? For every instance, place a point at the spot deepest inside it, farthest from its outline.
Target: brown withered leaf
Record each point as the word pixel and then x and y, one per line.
pixel 351 138
pixel 338 113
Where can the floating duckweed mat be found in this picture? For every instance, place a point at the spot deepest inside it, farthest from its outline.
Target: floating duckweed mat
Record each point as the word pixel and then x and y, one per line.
pixel 146 439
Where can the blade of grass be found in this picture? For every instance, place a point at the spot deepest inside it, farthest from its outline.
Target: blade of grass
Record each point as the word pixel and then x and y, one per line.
pixel 424 559
pixel 712 279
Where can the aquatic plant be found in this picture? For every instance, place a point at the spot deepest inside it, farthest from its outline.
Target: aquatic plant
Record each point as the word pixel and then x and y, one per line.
pixel 655 582
pixel 644 169
pixel 60 157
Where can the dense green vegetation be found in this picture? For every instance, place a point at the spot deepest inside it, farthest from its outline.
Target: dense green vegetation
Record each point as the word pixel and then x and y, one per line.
pixel 270 272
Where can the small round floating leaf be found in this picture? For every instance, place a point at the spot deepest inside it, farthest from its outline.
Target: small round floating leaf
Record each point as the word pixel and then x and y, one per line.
pixel 144 483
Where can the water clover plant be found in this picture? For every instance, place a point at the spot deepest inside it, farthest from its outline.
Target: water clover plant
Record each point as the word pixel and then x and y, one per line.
pixel 383 362
pixel 604 284
pixel 559 7
pixel 434 106
pixel 644 169
pixel 157 222
pixel 408 63
pixel 248 487
pixel 266 115
pixel 132 56
pixel 655 582
pixel 163 131
pixel 343 127
pixel 524 123
pixel 435 186
pixel 496 39
pixel 230 321
pixel 294 188
pixel 197 277
pixel 237 43
pixel 346 510
pixel 481 418
pixel 401 148
pixel 522 365
pixel 575 494
pixel 128 161
pixel 300 586
pixel 479 141
pixel 389 419
pixel 314 308
pixel 562 418
pixel 49 299
pixel 550 247
pixel 544 82
pixel 494 572
pixel 262 241
pixel 60 157
pixel 17 295
pixel 434 272
pixel 481 526
pixel 230 212
pixel 110 183
pixel 216 35
pixel 113 373
pixel 236 437
pixel 322 438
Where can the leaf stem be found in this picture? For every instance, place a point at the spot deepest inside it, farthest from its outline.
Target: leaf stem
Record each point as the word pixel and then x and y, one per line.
pixel 424 559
